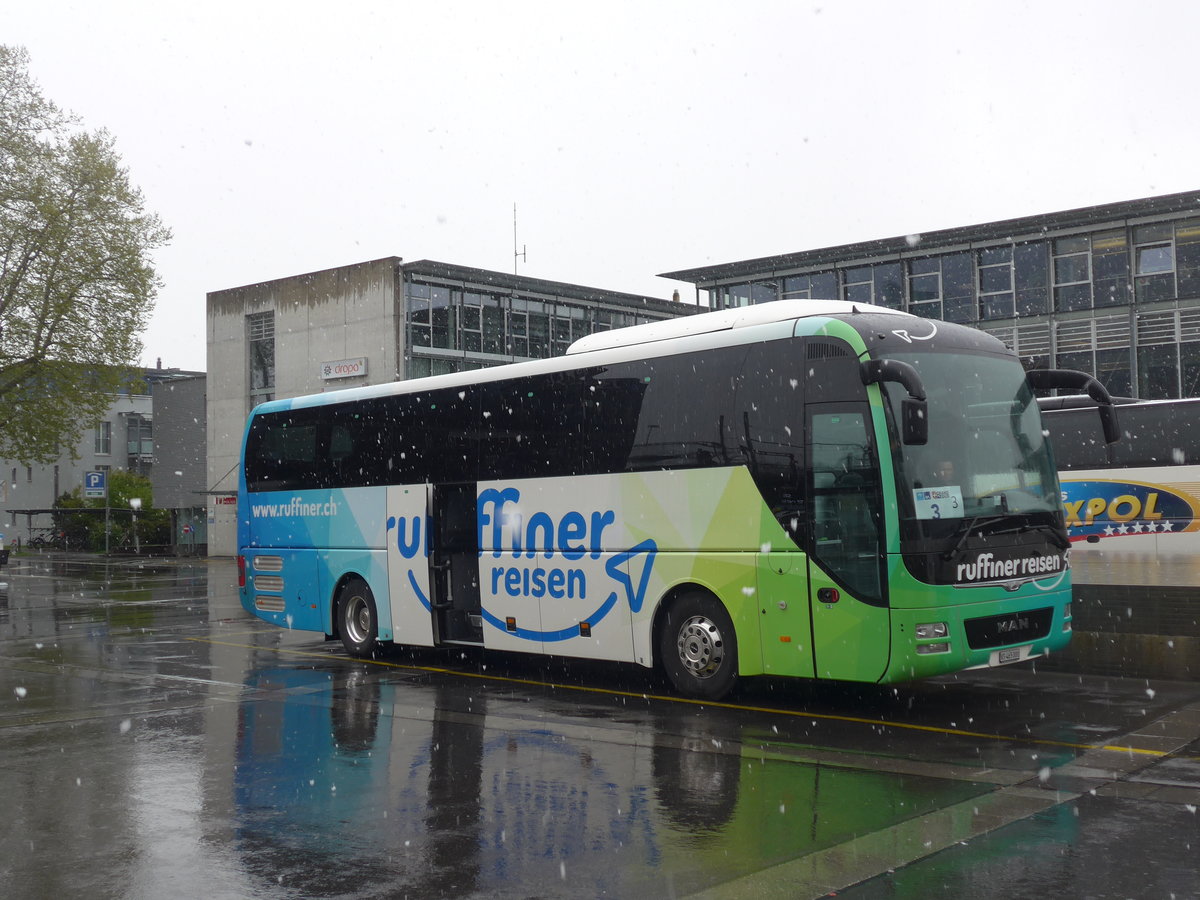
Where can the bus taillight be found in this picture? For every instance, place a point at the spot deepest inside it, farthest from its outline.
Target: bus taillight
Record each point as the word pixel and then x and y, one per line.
pixel 241 571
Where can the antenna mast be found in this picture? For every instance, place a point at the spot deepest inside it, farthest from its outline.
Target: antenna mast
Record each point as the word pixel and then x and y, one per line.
pixel 521 254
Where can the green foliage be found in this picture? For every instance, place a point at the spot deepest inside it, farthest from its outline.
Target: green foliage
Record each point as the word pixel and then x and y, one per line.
pixel 85 530
pixel 76 282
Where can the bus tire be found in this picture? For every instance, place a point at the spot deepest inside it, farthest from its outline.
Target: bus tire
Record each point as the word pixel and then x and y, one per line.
pixel 698 647
pixel 357 618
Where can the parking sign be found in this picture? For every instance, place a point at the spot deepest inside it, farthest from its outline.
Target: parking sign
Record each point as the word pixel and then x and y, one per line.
pixel 95 484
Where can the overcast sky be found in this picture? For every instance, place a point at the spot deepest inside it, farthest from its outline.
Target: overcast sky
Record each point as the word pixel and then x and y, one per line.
pixel 277 138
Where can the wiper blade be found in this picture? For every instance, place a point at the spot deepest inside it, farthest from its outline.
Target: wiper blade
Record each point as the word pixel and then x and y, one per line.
pixel 1059 540
pixel 971 525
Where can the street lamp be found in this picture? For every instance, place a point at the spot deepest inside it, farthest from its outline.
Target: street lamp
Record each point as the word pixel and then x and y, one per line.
pixel 135 503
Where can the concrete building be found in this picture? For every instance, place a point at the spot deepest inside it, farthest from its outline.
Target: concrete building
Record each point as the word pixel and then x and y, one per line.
pixel 123 439
pixel 377 322
pixel 1113 290
pixel 180 474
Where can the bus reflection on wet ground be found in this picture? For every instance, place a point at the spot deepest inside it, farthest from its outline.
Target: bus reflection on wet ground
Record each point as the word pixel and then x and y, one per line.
pixel 162 741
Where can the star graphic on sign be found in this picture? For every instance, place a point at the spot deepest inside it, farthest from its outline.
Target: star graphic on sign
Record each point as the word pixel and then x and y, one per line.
pixel 1166 526
pixel 1108 532
pixel 1137 527
pixel 1124 529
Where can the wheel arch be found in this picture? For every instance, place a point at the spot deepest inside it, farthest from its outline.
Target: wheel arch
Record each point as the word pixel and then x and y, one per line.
pixel 666 602
pixel 335 631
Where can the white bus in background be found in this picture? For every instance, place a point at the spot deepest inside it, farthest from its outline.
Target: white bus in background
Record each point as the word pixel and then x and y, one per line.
pixel 1132 506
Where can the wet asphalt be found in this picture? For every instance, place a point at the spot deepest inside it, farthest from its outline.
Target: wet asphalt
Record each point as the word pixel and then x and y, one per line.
pixel 158 741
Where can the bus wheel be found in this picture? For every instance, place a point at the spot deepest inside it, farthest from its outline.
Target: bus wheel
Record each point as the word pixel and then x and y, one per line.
pixel 698 647
pixel 358 622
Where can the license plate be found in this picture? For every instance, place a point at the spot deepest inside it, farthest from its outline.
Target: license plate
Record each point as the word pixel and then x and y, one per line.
pixel 1013 654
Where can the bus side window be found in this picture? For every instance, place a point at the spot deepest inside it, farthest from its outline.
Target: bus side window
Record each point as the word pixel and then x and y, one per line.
pixel 770 427
pixel 667 412
pixel 282 452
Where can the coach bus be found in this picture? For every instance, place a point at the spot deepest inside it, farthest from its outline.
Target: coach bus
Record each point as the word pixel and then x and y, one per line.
pixel 802 488
pixel 1132 507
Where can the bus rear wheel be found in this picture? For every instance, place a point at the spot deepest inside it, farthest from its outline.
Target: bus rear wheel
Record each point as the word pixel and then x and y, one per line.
pixel 698 647
pixel 358 621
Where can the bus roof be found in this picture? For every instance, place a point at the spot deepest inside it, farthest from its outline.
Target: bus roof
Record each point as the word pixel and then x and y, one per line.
pixel 722 320
pixel 621 340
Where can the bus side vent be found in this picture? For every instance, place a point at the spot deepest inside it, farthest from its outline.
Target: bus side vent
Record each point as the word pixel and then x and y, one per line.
pixel 268 564
pixel 268 604
pixel 268 583
pixel 824 350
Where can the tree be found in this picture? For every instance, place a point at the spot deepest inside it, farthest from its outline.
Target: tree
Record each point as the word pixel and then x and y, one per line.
pixel 76 281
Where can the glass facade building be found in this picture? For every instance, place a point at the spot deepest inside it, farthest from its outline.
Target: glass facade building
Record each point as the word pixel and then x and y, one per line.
pixel 1112 290
pixel 457 318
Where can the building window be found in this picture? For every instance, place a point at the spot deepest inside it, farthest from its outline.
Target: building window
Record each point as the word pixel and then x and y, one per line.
pixel 493 324
pixel 1189 369
pixel 539 329
pixel 1112 371
pixel 925 287
pixel 880 285
pixel 1154 262
pixel 139 443
pixel 958 288
pixel 472 322
pixel 518 327
pixel 1187 258
pixel 733 295
pixel 857 285
pixel 103 438
pixel 1110 268
pixel 817 286
pixel 1072 274
pixel 417 313
pixel 442 308
pixel 996 297
pixel 1031 269
pixel 260 335
pixel 1158 372
pixel 736 295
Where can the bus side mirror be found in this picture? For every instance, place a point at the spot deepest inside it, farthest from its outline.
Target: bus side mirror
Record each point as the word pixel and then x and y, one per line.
pixel 914 411
pixel 1046 379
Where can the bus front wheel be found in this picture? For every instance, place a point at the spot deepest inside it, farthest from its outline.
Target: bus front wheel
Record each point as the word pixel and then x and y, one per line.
pixel 358 622
pixel 698 647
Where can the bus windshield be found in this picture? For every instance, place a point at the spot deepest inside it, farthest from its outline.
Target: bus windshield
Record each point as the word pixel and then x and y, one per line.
pixel 998 465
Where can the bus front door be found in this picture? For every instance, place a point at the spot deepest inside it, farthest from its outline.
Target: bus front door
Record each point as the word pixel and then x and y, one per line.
pixel 847 587
pixel 454 564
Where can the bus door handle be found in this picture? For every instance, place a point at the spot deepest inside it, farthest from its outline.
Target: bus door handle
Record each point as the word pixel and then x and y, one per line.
pixel 828 595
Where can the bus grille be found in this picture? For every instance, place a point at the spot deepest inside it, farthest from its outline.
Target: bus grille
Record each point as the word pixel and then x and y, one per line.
pixel 268 604
pixel 268 564
pixel 269 583
pixel 1011 628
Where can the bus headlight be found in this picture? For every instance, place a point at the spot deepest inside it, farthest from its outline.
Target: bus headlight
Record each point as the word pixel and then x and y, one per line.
pixel 932 630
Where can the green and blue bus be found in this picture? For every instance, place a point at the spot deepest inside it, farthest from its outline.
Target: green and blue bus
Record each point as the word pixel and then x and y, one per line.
pixel 814 489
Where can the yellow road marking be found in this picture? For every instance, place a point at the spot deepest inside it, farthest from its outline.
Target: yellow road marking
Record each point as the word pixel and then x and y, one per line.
pixel 664 698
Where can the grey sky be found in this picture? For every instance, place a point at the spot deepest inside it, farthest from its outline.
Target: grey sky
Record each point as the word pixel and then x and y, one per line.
pixel 277 138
